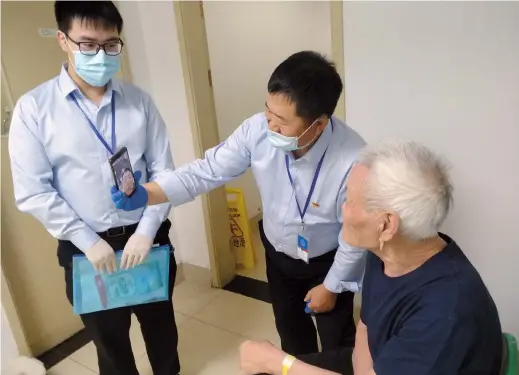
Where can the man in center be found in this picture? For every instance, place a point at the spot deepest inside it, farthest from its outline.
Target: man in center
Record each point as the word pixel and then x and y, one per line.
pixel 300 155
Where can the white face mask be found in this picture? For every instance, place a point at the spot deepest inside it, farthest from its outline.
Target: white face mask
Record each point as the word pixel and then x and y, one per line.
pixel 96 70
pixel 288 143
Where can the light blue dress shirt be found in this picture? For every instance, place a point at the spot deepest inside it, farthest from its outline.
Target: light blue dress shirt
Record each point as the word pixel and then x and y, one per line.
pixel 248 147
pixel 60 169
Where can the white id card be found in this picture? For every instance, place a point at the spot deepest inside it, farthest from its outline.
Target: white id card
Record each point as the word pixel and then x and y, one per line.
pixel 303 244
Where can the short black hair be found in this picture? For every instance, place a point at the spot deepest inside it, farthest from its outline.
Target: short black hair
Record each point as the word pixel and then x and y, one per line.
pixel 310 81
pixel 102 14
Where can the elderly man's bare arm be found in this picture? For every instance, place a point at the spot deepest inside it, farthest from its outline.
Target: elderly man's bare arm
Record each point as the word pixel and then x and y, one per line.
pixel 362 361
pixel 301 368
pixel 261 357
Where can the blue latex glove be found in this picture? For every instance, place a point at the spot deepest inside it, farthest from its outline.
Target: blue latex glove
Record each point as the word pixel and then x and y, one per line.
pixel 137 200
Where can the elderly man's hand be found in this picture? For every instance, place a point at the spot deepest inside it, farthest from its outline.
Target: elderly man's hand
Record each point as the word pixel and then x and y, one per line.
pixel 258 357
pixel 321 299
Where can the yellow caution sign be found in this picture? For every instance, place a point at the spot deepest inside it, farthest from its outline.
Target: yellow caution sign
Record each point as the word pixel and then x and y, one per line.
pixel 240 235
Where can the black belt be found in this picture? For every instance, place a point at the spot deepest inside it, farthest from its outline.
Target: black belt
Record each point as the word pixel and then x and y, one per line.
pixel 119 231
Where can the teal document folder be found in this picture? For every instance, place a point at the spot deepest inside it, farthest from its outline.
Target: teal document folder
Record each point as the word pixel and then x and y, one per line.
pixel 145 283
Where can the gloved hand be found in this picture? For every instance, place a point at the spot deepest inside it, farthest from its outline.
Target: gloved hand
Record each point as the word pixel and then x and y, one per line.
pixel 138 199
pixel 102 257
pixel 135 251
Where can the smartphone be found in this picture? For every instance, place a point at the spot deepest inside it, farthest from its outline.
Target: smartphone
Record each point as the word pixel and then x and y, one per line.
pixel 122 171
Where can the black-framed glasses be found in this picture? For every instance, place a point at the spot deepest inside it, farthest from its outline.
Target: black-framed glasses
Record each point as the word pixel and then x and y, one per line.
pixel 112 48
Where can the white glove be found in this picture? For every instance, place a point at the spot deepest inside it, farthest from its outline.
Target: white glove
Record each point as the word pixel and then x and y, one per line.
pixel 102 257
pixel 135 251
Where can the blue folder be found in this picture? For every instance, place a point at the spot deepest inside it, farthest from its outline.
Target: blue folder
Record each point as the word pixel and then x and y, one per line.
pixel 145 283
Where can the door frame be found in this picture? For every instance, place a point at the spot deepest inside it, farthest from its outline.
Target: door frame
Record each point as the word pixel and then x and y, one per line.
pixel 220 272
pixel 126 72
pixel 337 37
pixel 190 24
pixel 9 98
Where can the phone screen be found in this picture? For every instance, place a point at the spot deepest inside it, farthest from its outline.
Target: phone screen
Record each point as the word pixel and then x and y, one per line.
pixel 123 173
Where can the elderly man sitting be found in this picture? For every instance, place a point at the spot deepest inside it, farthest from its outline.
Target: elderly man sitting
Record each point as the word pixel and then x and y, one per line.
pixel 425 309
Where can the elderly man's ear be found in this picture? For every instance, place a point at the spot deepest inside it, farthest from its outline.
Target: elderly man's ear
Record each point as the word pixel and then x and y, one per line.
pixel 388 227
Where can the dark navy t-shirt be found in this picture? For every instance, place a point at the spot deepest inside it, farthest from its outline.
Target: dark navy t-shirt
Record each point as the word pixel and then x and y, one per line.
pixel 437 319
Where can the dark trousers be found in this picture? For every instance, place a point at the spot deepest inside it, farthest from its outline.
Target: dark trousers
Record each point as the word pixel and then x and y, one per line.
pixel 289 281
pixel 338 360
pixel 110 329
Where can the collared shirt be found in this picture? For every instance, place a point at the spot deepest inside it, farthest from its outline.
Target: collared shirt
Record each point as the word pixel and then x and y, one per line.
pixel 60 169
pixel 248 147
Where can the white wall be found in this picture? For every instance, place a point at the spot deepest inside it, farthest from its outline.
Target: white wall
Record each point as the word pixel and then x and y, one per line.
pixel 153 50
pixel 247 40
pixel 447 74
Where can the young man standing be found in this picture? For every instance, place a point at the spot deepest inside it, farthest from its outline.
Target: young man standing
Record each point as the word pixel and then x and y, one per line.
pixel 61 137
pixel 301 156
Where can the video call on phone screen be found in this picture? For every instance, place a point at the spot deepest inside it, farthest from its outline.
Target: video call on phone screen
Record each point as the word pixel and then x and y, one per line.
pixel 123 174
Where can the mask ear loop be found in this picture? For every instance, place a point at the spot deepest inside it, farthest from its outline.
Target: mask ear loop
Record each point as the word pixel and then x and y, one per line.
pixel 71 50
pixel 309 143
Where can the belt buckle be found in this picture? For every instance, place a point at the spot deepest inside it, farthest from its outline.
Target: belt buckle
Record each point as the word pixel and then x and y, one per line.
pixel 116 232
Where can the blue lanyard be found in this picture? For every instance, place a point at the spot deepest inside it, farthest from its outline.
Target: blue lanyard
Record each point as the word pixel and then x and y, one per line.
pixel 312 187
pixel 111 150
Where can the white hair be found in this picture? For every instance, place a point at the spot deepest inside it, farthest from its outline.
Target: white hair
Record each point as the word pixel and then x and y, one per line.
pixel 410 180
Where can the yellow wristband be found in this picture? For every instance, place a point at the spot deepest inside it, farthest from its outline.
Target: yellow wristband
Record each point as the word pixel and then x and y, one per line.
pixel 287 363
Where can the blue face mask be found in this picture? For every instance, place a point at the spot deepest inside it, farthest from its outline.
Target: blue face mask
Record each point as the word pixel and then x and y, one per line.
pixel 288 144
pixel 96 70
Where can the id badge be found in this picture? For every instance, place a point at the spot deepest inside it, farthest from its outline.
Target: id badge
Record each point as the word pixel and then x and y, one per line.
pixel 303 245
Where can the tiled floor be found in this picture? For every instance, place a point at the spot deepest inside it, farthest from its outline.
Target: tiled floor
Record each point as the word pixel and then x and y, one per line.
pixel 211 323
